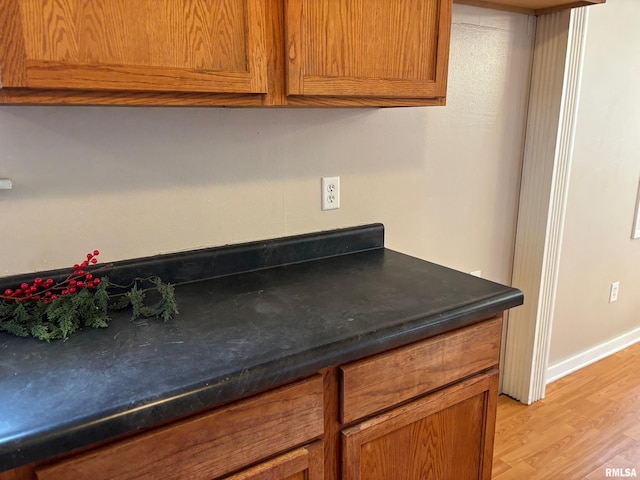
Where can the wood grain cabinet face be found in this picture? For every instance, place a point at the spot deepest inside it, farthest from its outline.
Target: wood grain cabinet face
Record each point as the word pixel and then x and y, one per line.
pixel 390 378
pixel 367 48
pixel 225 52
pixel 203 46
pixel 447 435
pixel 213 444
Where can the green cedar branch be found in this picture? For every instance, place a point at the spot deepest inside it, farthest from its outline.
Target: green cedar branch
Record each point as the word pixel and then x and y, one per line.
pixel 64 315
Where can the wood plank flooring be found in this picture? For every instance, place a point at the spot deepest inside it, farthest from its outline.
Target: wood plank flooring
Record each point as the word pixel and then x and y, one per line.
pixel 589 421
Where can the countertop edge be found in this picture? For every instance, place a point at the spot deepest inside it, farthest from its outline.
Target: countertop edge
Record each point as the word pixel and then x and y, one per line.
pixel 116 423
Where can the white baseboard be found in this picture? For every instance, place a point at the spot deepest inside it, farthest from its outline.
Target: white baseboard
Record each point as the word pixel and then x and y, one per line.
pixel 593 354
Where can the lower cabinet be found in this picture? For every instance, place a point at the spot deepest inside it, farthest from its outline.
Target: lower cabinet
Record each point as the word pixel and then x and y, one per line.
pixel 424 410
pixel 445 435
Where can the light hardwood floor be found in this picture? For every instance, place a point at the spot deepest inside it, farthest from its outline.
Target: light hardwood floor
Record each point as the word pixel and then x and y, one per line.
pixel 589 421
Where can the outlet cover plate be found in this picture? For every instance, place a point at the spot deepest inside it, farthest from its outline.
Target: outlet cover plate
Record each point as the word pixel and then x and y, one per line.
pixel 330 187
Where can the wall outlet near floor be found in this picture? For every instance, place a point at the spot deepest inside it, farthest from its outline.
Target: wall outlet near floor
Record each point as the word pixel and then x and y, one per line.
pixel 330 193
pixel 613 293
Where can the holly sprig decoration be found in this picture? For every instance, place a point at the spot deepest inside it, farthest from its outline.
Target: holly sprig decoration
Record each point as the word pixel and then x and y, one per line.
pixel 49 309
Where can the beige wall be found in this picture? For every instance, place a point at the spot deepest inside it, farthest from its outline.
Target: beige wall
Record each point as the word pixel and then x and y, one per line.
pixel 597 246
pixel 142 181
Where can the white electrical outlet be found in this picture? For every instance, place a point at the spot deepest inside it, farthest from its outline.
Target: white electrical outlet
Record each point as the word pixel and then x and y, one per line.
pixel 613 294
pixel 330 193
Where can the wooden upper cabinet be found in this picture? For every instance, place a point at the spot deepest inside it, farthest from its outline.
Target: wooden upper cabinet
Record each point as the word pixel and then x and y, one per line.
pixel 367 48
pixel 232 52
pixel 202 46
pixel 225 52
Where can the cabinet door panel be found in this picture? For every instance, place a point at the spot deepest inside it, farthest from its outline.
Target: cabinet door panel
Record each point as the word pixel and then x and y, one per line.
pixel 364 48
pixel 445 435
pixel 146 45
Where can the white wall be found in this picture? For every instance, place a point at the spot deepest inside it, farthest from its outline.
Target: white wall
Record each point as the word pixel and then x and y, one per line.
pixel 141 181
pixel 597 246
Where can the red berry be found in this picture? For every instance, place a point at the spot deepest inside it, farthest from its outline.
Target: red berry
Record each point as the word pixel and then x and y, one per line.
pixel 47 294
pixel 65 292
pixel 96 281
pixel 36 297
pixel 94 260
pixel 80 284
pixel 33 289
pixel 72 290
pixel 88 276
pixel 54 296
pixel 84 264
pixel 90 284
pixel 46 301
pixel 72 283
pixel 38 280
pixel 18 292
pixel 24 286
pixel 27 294
pixel 80 272
pixel 96 252
pixel 8 291
pixel 89 256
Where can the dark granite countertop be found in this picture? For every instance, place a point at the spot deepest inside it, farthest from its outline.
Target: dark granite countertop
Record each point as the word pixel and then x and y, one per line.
pixel 236 334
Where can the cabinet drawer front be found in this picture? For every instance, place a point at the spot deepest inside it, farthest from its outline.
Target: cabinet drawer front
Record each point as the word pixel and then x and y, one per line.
pixel 209 445
pixel 384 380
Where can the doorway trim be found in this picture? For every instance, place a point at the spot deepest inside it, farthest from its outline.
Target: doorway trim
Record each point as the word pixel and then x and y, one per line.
pixel 548 154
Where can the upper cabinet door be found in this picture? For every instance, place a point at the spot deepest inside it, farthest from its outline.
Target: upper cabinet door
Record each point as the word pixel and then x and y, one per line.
pixel 367 48
pixel 212 46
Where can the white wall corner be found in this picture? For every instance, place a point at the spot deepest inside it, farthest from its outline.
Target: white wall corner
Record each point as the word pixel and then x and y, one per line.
pixel 553 106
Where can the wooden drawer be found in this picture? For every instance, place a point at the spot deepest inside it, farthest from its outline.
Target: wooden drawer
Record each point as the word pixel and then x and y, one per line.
pixel 209 445
pixel 382 381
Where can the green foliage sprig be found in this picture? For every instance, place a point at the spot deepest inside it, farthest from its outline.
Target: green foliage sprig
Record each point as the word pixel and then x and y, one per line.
pixel 50 310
